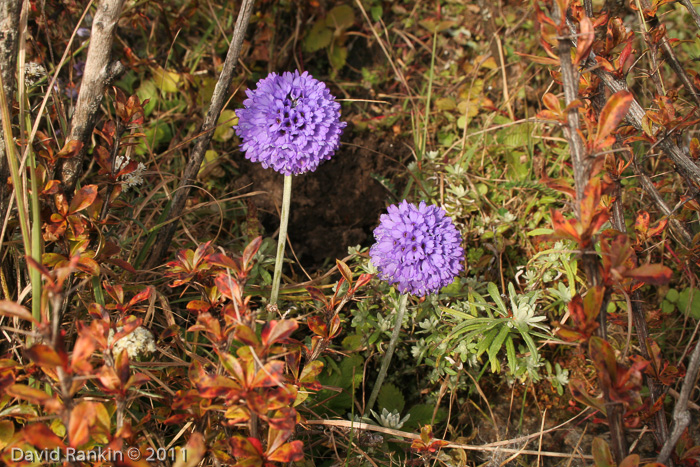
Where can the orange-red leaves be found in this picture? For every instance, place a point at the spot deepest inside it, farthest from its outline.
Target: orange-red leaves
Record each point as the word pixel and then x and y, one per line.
pixel 612 114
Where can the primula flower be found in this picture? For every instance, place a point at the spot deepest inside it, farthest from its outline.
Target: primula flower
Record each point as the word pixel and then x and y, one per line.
pixel 291 123
pixel 418 248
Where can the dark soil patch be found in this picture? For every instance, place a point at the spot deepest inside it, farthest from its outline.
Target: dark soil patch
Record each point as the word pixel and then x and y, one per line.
pixel 334 207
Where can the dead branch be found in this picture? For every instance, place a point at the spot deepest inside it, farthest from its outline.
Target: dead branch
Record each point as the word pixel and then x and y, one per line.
pixel 691 9
pixel 9 34
pixel 580 161
pixel 206 131
pixel 681 414
pixel 98 74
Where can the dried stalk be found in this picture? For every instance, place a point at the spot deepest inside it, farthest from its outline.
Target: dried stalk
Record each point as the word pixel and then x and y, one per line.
pixel 650 189
pixel 207 131
pixel 681 414
pixel 99 73
pixel 640 324
pixel 691 9
pixel 685 166
pixel 671 58
pixel 589 260
pixel 9 35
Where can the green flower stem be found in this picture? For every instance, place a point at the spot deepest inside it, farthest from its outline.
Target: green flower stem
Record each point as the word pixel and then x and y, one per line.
pixel 389 352
pixel 284 221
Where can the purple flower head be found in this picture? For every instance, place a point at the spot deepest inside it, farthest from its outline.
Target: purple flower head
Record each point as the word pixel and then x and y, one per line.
pixel 418 248
pixel 291 123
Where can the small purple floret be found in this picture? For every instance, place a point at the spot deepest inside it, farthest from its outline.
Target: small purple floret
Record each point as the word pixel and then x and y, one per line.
pixel 418 248
pixel 290 122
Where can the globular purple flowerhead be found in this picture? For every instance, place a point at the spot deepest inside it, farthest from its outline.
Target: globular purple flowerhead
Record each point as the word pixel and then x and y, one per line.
pixel 418 248
pixel 290 122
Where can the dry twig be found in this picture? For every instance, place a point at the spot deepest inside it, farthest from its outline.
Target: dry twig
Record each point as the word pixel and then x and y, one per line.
pixel 9 35
pixel 207 131
pixel 99 73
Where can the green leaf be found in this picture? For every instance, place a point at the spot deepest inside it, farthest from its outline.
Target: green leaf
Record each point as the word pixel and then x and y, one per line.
pixel 148 90
pixel 340 17
pixel 318 37
pixel 688 306
pixel 541 231
pixel 496 296
pixel 338 56
pixel 602 457
pixel 672 295
pixel 495 347
pixel 353 342
pixel 376 12
pixel 224 130
pixel 390 398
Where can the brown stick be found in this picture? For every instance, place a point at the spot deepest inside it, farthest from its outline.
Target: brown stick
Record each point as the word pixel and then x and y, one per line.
pixel 9 34
pixel 684 164
pixel 98 74
pixel 207 131
pixel 640 324
pixel 681 414
pixel 693 12
pixel 589 260
pixel 671 58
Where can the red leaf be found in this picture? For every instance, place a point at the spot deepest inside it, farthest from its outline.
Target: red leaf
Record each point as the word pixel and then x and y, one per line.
pixel 656 274
pixel 82 351
pixel 317 294
pixel 613 113
pixel 246 335
pixel 318 326
pixel 32 395
pixel 40 436
pixel 641 224
pixel 551 102
pixel 14 310
pixel 308 375
pixel 565 228
pixel 290 452
pixel 83 198
pixel 248 451
pixel 45 356
pixel 363 280
pixel 70 149
pixel 145 294
pixel 272 374
pixel 81 418
pixel 603 357
pixel 585 40
pixel 344 271
pixel 276 332
pixel 250 251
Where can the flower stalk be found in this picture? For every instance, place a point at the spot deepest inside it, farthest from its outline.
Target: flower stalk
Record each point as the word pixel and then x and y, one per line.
pixel 389 351
pixel 282 240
